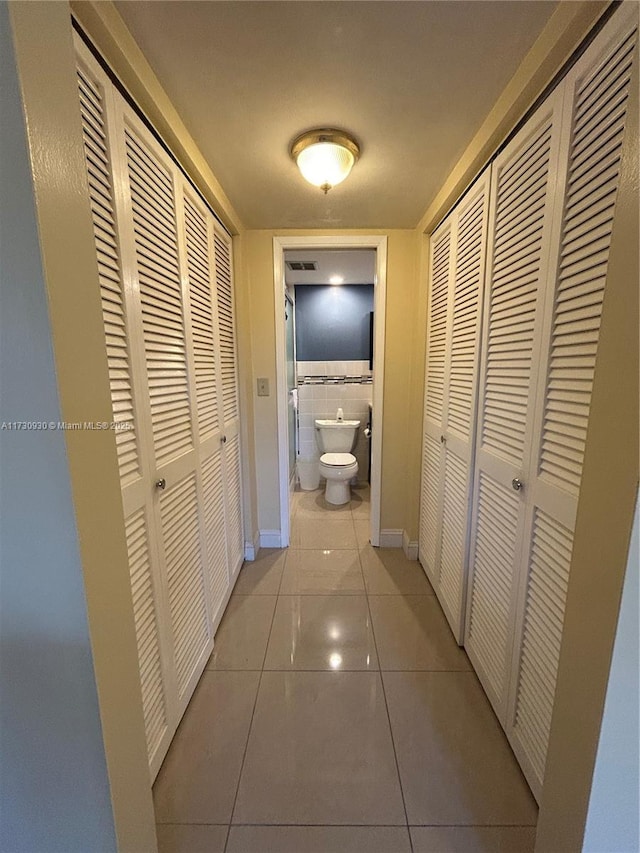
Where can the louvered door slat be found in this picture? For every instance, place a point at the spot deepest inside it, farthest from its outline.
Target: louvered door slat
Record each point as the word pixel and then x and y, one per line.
pixel 202 318
pixel 181 539
pixel 578 307
pixel 154 221
pixel 235 534
pixel 215 534
pixel 429 506
pixel 512 326
pixel 437 328
pixel 113 307
pixel 146 622
pixel 226 327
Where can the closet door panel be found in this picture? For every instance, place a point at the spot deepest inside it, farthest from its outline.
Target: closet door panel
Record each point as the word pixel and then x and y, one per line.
pixel 461 385
pixel 229 408
pixel 104 175
pixel 160 292
pixel 433 432
pixel 522 197
pixel 597 91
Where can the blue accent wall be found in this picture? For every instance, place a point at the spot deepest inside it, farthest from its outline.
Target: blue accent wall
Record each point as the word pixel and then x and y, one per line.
pixel 332 322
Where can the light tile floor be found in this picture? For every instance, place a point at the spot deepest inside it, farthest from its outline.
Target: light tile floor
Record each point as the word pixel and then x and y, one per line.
pixel 337 714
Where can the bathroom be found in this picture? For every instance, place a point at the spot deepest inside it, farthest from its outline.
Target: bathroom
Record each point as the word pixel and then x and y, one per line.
pixel 329 315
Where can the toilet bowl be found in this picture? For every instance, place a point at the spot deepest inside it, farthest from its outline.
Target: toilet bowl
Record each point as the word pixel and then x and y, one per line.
pixel 337 464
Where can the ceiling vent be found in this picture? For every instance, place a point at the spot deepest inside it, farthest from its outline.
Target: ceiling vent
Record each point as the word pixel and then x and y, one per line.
pixel 302 266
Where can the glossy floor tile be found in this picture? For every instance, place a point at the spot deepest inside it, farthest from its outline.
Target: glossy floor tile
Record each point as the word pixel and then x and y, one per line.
pixel 412 633
pixel 315 632
pixel 318 839
pixel 313 505
pixel 320 752
pixel 361 721
pixel 322 571
pixel 199 777
pixel 388 572
pixel 191 838
pixel 330 533
pixel 241 639
pixel 455 763
pixel 473 839
pixel 262 576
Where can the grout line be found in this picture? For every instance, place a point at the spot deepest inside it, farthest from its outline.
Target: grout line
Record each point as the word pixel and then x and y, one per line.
pixel 386 705
pixel 364 825
pixel 253 712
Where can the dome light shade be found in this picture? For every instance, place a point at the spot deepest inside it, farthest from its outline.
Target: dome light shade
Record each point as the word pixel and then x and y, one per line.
pixel 325 156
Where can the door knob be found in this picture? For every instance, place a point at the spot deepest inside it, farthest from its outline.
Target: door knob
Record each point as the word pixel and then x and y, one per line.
pixel 161 484
pixel 443 440
pixel 517 484
pixel 223 439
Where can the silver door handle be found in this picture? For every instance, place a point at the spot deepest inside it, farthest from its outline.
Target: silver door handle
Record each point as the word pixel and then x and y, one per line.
pixel 517 484
pixel 161 484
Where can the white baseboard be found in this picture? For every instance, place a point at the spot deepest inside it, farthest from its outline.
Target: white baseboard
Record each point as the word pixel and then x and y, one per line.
pixel 391 538
pixel 270 539
pixel 410 548
pixel 251 548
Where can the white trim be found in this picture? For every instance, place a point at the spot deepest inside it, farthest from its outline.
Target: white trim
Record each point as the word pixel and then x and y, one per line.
pixel 410 548
pixel 251 548
pixel 271 539
pixel 391 538
pixel 379 243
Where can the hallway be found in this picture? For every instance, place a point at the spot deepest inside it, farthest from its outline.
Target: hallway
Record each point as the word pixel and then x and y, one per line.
pixel 337 714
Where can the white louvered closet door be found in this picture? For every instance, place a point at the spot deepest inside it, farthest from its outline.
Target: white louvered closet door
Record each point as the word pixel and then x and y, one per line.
pixel 160 291
pixel 596 95
pixel 198 238
pixel 450 406
pixel 96 103
pixel 521 208
pixel 229 405
pixel 440 273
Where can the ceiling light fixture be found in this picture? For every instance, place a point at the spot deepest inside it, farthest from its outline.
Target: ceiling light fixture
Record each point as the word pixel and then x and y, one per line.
pixel 336 279
pixel 325 156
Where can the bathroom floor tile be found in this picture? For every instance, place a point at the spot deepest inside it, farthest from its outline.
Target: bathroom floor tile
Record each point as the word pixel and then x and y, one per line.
pixel 388 572
pixel 191 838
pixel 262 576
pixel 313 505
pixel 331 632
pixel 363 531
pixel 455 763
pixel 320 752
pixel 198 779
pixel 473 839
pixel 318 839
pixel 241 639
pixel 322 571
pixel 327 533
pixel 412 634
pixel 360 502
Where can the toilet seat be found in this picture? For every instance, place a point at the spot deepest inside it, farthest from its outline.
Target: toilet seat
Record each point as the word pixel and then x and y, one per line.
pixel 338 460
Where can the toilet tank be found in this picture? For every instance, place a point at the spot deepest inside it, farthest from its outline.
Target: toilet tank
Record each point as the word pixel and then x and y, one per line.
pixel 336 436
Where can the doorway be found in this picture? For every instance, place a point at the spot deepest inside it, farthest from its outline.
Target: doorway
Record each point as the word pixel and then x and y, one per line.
pixel 286 394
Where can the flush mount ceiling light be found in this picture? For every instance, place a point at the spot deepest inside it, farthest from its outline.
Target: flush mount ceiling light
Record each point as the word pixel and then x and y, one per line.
pixel 325 156
pixel 336 279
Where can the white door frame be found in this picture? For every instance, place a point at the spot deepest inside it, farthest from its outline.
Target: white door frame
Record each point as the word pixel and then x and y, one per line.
pixel 280 245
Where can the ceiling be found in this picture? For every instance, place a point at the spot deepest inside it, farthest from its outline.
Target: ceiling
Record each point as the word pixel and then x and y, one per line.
pixel 412 81
pixel 354 266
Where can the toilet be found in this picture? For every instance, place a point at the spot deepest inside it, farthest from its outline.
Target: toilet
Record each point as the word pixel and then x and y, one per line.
pixel 336 439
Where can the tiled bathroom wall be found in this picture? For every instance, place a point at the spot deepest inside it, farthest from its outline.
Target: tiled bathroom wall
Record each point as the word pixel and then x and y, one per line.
pixel 325 386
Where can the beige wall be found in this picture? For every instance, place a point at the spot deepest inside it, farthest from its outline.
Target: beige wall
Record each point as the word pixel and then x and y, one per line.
pixel 403 372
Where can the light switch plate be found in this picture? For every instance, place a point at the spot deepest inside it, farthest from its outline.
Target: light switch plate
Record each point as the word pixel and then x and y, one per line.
pixel 263 387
